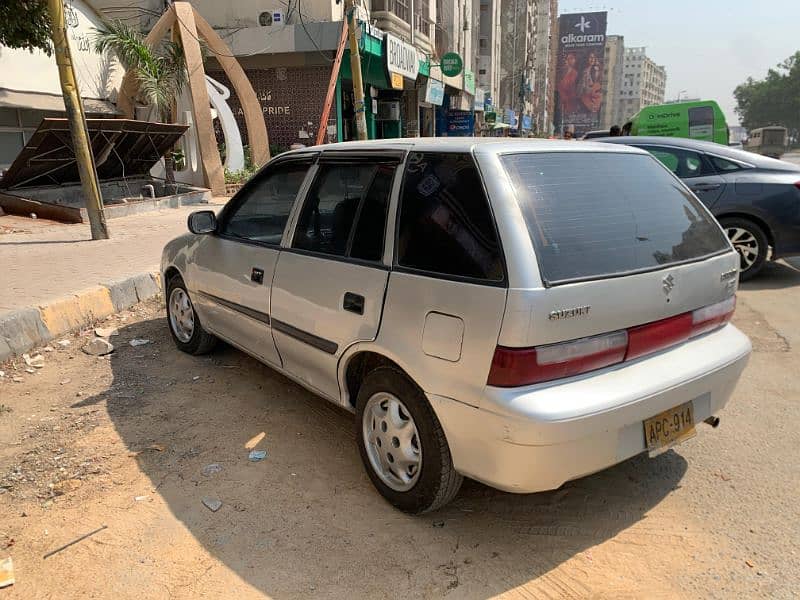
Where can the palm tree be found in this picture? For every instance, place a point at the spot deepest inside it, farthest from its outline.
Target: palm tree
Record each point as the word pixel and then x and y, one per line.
pixel 160 71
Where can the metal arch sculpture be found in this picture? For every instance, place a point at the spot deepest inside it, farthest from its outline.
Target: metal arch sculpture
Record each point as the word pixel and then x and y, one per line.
pixel 190 27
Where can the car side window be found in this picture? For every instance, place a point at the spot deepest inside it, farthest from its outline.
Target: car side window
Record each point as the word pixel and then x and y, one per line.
pixel 262 208
pixel 723 165
pixel 345 211
pixel 684 163
pixel 445 223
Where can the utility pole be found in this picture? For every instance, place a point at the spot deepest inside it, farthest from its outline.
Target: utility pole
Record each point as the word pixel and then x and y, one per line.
pixel 355 67
pixel 77 121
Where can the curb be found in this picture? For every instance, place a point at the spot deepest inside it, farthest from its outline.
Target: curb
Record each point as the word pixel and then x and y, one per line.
pixel 27 328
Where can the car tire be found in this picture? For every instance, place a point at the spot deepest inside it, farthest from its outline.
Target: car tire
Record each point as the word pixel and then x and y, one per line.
pixel 434 482
pixel 184 324
pixel 750 241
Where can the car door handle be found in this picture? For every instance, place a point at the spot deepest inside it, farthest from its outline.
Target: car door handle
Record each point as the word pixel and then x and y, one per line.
pixel 706 187
pixel 353 303
pixel 257 275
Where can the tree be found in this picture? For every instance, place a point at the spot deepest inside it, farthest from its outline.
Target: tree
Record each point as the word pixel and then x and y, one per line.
pixel 774 100
pixel 160 71
pixel 25 24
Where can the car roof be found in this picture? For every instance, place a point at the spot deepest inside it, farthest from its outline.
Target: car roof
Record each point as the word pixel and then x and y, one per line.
pixel 479 145
pixel 763 162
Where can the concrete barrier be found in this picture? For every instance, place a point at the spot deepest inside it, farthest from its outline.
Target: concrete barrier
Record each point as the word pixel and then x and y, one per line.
pixel 24 329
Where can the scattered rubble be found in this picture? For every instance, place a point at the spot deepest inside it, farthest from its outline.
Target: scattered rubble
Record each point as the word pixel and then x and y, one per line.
pixel 98 347
pixel 257 455
pixel 138 342
pixel 105 332
pixel 212 504
pixel 66 486
pixel 211 469
pixel 36 360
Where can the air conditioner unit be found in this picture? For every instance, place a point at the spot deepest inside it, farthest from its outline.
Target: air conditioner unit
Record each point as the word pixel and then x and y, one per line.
pixel 389 110
pixel 270 18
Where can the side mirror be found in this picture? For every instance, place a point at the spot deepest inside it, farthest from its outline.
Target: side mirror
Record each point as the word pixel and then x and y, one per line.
pixel 203 221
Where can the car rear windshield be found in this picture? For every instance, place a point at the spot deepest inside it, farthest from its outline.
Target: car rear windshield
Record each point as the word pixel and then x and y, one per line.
pixel 596 214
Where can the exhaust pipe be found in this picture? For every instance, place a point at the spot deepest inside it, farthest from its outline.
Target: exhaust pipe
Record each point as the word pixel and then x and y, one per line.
pixel 713 421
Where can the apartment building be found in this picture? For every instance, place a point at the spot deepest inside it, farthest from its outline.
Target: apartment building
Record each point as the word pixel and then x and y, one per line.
pixel 643 83
pixel 489 46
pixel 612 78
pixel 544 63
pixel 518 24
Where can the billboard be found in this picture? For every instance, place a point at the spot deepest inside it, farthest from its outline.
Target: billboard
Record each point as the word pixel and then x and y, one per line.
pixel 579 73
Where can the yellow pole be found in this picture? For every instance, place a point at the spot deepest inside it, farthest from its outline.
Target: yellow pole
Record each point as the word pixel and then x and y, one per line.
pixel 355 67
pixel 77 122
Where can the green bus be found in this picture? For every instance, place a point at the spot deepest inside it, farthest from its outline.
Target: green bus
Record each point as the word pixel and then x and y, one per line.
pixel 701 120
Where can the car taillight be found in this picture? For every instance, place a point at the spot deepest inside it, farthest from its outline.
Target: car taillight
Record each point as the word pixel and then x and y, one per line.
pixel 646 339
pixel 512 367
pixel 713 316
pixel 523 366
pixel 797 185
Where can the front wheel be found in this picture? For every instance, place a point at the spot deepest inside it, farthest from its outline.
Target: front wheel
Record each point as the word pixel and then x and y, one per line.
pixel 402 444
pixel 750 241
pixel 184 324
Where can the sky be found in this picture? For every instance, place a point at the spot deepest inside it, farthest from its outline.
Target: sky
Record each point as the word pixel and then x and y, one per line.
pixel 707 46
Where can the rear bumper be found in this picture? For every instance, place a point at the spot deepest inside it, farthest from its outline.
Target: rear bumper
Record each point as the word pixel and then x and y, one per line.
pixel 538 437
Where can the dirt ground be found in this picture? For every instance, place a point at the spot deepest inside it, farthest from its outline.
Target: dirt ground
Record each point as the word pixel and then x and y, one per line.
pixel 122 442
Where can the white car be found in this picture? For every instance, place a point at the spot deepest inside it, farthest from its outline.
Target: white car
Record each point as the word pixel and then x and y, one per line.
pixel 522 312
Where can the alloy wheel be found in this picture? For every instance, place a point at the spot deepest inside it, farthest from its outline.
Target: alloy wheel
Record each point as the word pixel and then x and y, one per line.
pixel 746 244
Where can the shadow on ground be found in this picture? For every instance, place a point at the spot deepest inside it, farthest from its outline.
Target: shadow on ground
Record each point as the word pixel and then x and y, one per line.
pixel 774 276
pixel 307 518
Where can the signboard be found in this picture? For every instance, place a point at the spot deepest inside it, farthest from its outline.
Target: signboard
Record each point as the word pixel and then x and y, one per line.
pixel 579 75
pixel 401 58
pixel 469 81
pixel 490 118
pixel 479 105
pixel 527 123
pixel 396 81
pixel 451 64
pixel 460 123
pixel 509 116
pixel 434 92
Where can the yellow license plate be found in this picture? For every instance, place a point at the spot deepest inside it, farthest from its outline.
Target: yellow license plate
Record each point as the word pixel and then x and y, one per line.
pixel 669 428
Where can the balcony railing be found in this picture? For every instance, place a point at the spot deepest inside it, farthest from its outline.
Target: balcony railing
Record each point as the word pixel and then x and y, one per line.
pixel 401 9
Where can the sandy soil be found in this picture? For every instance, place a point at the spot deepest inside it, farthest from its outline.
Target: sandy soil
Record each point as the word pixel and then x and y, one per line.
pixel 122 441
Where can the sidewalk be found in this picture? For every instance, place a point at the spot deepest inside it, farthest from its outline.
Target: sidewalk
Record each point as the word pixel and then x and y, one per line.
pixel 57 271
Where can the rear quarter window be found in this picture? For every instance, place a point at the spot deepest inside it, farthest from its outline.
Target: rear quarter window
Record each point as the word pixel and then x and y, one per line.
pixel 593 215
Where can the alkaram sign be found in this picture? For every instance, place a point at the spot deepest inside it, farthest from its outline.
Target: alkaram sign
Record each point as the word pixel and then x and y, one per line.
pixel 451 64
pixel 401 58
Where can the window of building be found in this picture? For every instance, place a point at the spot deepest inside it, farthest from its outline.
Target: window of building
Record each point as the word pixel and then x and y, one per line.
pixel 17 125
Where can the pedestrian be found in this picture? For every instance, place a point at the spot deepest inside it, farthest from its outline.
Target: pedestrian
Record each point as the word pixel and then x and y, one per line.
pixel 615 131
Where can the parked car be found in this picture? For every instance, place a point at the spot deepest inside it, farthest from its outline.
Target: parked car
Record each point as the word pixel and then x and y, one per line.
pixel 521 312
pixel 755 198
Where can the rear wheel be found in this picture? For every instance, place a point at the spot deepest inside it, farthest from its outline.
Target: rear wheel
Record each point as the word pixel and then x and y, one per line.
pixel 402 444
pixel 750 241
pixel 184 324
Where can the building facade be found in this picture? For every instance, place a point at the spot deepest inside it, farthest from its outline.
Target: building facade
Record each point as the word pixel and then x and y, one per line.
pixel 643 83
pixel 489 45
pixel 544 57
pixel 30 88
pixel 518 22
pixel 614 61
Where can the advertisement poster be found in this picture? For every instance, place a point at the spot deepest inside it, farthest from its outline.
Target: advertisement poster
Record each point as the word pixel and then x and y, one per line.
pixel 460 123
pixel 579 74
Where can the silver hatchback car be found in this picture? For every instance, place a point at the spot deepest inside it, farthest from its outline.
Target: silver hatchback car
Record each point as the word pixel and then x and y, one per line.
pixel 521 312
